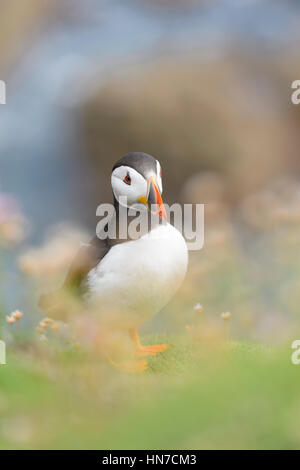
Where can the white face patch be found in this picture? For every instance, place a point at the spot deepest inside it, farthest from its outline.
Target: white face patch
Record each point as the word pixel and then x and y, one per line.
pixel 127 182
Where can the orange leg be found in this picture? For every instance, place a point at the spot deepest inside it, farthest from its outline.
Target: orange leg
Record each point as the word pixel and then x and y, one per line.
pixel 146 350
pixel 131 366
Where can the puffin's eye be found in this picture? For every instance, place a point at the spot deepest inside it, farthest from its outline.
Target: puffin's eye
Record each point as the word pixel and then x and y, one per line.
pixel 127 179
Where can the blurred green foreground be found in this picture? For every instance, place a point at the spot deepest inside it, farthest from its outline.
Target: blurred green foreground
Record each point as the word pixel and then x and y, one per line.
pixel 239 397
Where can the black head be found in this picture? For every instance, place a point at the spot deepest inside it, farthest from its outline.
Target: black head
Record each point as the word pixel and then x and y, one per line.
pixel 142 162
pixel 137 177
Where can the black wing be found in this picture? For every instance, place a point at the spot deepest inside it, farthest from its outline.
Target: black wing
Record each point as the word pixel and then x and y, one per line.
pixel 87 258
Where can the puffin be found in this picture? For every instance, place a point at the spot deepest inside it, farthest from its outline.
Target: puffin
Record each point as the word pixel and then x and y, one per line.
pixel 127 279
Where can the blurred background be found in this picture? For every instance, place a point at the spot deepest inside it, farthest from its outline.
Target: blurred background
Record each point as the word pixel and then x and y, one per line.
pixel 205 86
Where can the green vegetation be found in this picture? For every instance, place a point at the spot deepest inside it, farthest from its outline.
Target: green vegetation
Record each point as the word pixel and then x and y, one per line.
pixel 236 396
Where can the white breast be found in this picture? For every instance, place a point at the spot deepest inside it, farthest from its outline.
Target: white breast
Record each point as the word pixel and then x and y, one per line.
pixel 137 278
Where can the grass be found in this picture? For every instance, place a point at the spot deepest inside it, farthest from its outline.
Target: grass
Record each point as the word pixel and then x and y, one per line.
pixel 233 396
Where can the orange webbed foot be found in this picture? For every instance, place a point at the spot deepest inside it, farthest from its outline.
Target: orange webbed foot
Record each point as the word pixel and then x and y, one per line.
pixel 130 366
pixel 135 367
pixel 151 350
pixel 146 350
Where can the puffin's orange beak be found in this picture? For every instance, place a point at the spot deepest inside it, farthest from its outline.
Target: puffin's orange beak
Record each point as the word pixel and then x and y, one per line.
pixel 158 201
pixel 154 198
